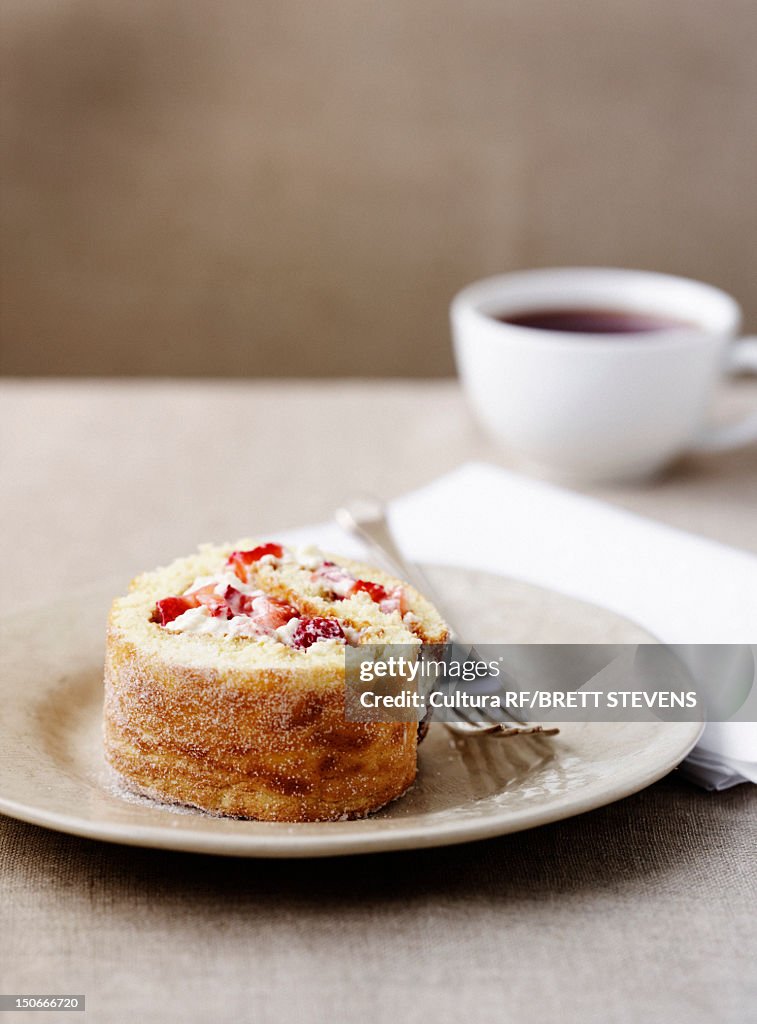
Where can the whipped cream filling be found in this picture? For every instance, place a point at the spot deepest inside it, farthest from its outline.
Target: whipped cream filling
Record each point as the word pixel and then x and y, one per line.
pixel 285 633
pixel 309 556
pixel 199 620
pixel 306 556
pixel 244 610
pixel 220 581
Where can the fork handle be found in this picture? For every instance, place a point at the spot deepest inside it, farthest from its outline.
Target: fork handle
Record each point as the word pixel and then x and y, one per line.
pixel 370 525
pixel 366 519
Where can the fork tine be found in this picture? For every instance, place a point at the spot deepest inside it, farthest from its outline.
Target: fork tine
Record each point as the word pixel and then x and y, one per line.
pixel 469 726
pixel 473 726
pixel 507 682
pixel 498 731
pixel 519 723
pixel 498 727
pixel 461 728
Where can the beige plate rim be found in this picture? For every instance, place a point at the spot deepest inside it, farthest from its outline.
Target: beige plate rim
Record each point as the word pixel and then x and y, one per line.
pixel 304 845
pixel 38 788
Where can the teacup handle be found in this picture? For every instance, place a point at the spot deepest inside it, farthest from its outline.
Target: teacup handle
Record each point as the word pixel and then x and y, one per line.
pixel 742 358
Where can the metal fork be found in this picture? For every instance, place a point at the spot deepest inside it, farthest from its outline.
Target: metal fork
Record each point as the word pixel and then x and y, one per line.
pixel 366 519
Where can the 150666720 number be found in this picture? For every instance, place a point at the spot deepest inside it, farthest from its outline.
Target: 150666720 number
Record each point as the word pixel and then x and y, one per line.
pixel 41 1002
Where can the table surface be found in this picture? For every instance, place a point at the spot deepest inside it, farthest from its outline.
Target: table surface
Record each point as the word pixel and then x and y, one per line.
pixel 643 910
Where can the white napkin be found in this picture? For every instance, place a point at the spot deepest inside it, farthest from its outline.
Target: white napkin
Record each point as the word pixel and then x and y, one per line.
pixel 683 589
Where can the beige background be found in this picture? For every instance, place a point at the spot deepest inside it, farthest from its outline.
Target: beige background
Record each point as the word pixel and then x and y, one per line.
pixel 293 188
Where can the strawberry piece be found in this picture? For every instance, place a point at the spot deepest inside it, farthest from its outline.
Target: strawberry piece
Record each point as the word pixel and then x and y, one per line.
pixel 203 595
pixel 239 560
pixel 395 601
pixel 375 591
pixel 388 600
pixel 170 608
pixel 310 631
pixel 236 602
pixel 270 612
pixel 207 596
pixel 337 581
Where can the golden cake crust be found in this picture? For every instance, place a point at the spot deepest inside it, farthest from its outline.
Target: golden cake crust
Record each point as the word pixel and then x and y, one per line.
pixel 228 727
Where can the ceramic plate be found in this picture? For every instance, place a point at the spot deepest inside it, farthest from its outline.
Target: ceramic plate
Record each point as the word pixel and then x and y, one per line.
pixel 52 771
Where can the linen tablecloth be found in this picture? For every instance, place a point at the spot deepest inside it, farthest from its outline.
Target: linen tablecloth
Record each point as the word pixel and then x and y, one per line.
pixel 640 911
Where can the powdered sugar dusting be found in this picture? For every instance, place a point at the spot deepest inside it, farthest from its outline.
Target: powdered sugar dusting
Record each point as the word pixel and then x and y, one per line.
pixel 116 785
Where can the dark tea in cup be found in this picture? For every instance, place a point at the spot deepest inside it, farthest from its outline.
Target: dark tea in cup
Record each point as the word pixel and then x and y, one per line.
pixel 584 320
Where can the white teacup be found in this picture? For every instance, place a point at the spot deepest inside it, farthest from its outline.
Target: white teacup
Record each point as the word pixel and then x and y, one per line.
pixel 593 406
